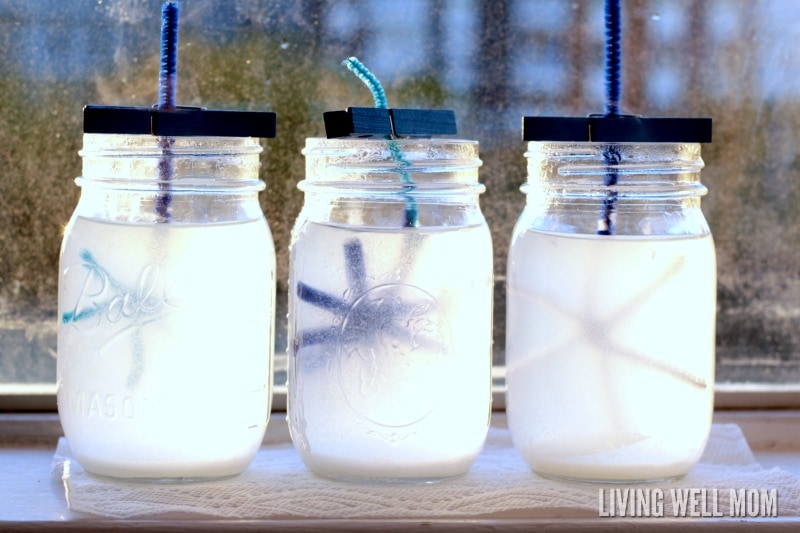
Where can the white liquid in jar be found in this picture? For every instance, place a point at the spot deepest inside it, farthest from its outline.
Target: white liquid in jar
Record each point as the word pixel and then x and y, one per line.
pixel 610 353
pixel 390 375
pixel 164 346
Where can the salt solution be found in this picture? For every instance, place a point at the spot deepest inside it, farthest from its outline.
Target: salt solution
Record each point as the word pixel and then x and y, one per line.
pixel 163 346
pixel 610 353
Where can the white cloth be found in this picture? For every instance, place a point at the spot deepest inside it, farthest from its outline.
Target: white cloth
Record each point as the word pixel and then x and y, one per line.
pixel 278 486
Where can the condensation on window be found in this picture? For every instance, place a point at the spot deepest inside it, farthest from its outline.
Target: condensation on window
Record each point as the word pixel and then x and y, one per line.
pixel 491 62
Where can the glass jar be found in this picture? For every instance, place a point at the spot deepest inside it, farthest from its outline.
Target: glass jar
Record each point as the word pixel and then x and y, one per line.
pixel 166 308
pixel 390 310
pixel 611 291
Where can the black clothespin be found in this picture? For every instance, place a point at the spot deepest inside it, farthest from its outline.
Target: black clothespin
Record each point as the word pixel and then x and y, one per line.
pixel 617 129
pixel 367 122
pixel 179 122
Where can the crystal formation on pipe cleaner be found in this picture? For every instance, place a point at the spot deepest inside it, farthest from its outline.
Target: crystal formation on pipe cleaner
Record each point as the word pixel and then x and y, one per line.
pixel 370 315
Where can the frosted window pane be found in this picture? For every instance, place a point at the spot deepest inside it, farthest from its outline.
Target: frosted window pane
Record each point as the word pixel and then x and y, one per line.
pixel 492 62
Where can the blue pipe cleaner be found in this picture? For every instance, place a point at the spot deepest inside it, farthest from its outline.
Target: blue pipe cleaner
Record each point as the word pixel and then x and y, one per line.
pixel 97 309
pixel 369 79
pixel 355 264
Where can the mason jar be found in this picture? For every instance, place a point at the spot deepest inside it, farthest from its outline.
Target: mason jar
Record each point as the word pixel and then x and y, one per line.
pixel 166 304
pixel 611 291
pixel 390 310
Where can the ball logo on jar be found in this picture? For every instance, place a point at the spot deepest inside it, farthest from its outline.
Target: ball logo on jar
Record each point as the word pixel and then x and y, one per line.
pixel 394 352
pixel 99 297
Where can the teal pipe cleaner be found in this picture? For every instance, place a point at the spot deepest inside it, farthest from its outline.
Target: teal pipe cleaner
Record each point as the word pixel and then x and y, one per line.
pixel 369 79
pixel 363 73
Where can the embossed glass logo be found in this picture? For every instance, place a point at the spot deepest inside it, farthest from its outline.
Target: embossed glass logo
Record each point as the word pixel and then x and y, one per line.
pixel 101 297
pixel 393 354
pixel 391 343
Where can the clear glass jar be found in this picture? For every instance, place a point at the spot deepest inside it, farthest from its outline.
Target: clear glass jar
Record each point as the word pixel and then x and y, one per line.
pixel 166 308
pixel 610 337
pixel 390 310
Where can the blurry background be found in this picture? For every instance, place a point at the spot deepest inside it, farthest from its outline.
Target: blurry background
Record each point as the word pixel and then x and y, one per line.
pixel 490 61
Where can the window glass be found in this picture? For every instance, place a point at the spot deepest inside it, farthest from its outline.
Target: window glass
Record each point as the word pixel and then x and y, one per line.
pixel 492 62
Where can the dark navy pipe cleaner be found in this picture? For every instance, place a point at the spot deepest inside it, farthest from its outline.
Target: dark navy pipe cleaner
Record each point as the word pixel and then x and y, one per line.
pixel 357 279
pixel 613 57
pixel 167 90
pixel 167 76
pixel 613 74
pixel 356 269
pixel 605 226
